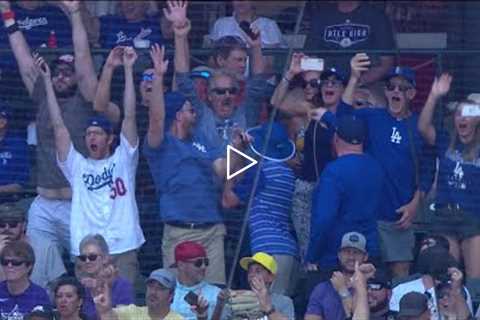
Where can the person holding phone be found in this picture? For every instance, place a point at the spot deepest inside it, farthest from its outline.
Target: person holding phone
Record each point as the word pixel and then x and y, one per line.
pixel 456 207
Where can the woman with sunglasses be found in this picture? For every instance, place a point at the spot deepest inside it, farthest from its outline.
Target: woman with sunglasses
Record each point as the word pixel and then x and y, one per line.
pixel 69 297
pixel 18 295
pixel 456 208
pixel 95 267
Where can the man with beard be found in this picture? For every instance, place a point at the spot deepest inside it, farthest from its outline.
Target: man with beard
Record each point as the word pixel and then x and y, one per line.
pixel 395 142
pixel 328 299
pixel 75 83
pixel 160 291
pixel 379 292
pixel 48 265
pixel 218 118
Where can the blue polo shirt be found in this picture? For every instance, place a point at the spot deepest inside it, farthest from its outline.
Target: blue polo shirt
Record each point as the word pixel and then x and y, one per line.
pixel 458 179
pixel 346 199
pixel 183 174
pixel 116 30
pixel 388 141
pixel 14 160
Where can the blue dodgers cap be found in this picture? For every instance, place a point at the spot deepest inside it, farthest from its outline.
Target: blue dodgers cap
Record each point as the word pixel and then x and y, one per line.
pixel 401 71
pixel 164 277
pixel 351 129
pixel 102 122
pixel 174 101
pixel 279 147
pixel 339 74
pixel 202 72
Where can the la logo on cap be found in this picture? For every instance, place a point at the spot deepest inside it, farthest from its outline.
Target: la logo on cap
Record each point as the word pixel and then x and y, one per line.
pixel 354 238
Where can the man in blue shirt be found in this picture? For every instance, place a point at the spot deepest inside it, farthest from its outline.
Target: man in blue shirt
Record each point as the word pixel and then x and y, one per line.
pixel 347 196
pixel 394 141
pixel 187 173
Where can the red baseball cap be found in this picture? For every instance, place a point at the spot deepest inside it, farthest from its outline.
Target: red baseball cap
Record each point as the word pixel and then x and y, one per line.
pixel 189 250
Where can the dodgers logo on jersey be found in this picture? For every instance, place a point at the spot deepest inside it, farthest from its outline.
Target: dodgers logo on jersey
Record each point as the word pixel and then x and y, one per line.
pixel 98 181
pixel 456 179
pixel 4 157
pixel 200 147
pixel 395 137
pixel 347 34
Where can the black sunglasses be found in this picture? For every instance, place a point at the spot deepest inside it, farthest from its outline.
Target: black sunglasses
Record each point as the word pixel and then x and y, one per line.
pixel 314 83
pixel 402 88
pixel 10 224
pixel 223 91
pixel 200 262
pixel 13 262
pixel 90 257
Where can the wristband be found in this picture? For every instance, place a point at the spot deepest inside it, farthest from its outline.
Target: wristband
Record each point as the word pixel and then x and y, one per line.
pixel 8 15
pixel 269 312
pixel 11 29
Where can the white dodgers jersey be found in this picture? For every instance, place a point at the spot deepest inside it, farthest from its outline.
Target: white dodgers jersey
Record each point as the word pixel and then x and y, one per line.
pixel 103 198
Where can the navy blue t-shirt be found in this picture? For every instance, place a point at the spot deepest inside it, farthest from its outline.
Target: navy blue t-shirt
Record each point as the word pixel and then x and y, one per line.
pixel 346 199
pixel 183 174
pixel 36 26
pixel 388 141
pixel 116 30
pixel 458 180
pixel 14 161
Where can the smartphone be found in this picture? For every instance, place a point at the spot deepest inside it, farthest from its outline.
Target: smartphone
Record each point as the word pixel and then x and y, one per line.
pixel 191 298
pixel 311 64
pixel 245 26
pixel 471 110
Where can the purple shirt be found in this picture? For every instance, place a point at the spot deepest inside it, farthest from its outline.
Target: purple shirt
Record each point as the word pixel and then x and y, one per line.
pixel 325 302
pixel 122 294
pixel 15 307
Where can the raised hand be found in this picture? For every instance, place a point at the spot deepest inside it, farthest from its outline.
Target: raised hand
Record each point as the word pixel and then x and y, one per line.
pixel 257 42
pixel 158 55
pixel 4 6
pixel 42 67
pixel 441 85
pixel 359 63
pixel 295 64
pixel 201 308
pixel 339 282
pixel 456 277
pixel 176 12
pixel 72 6
pixel 129 57
pixel 260 289
pixel 103 300
pixel 115 57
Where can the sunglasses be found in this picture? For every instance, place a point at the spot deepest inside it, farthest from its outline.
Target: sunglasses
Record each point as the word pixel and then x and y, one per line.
pixel 224 91
pixel 13 262
pixel 200 262
pixel 10 224
pixel 90 257
pixel 314 83
pixel 401 88
pixel 147 77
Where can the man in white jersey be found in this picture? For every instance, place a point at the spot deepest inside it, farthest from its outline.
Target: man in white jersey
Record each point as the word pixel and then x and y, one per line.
pixel 103 184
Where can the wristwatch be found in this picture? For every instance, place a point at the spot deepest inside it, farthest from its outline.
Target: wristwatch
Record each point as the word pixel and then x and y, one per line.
pixel 269 312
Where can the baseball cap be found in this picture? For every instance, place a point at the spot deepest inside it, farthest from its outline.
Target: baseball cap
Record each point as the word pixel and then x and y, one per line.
pixel 278 148
pixel 333 71
pixel 5 110
pixel 42 312
pixel 67 59
pixel 351 129
pixel 203 72
pixel 354 240
pixel 102 122
pixel 174 101
pixel 380 279
pixel 164 277
pixel 11 211
pixel 413 304
pixel 401 71
pixel 263 259
pixel 189 250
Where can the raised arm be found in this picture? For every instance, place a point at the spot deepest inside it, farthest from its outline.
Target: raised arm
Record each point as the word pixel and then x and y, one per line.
pixel 282 88
pixel 258 60
pixel 156 112
pixel 20 48
pixel 377 73
pixel 84 69
pixel 358 64
pixel 129 124
pixel 176 14
pixel 440 87
pixel 103 303
pixel 102 102
pixel 361 310
pixel 62 136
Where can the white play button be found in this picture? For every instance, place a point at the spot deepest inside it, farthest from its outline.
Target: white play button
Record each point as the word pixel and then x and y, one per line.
pixel 251 162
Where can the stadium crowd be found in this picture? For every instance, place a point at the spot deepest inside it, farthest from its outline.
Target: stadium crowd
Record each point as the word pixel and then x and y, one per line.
pixel 344 168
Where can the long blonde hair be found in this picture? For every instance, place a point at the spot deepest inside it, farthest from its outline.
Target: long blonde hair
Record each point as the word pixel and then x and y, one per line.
pixel 471 151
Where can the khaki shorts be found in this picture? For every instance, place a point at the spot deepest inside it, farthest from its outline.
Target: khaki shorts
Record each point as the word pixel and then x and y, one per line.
pixel 211 238
pixel 396 245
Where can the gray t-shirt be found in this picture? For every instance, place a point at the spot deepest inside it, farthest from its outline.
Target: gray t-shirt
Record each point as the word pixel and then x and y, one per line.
pixel 76 112
pixel 48 263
